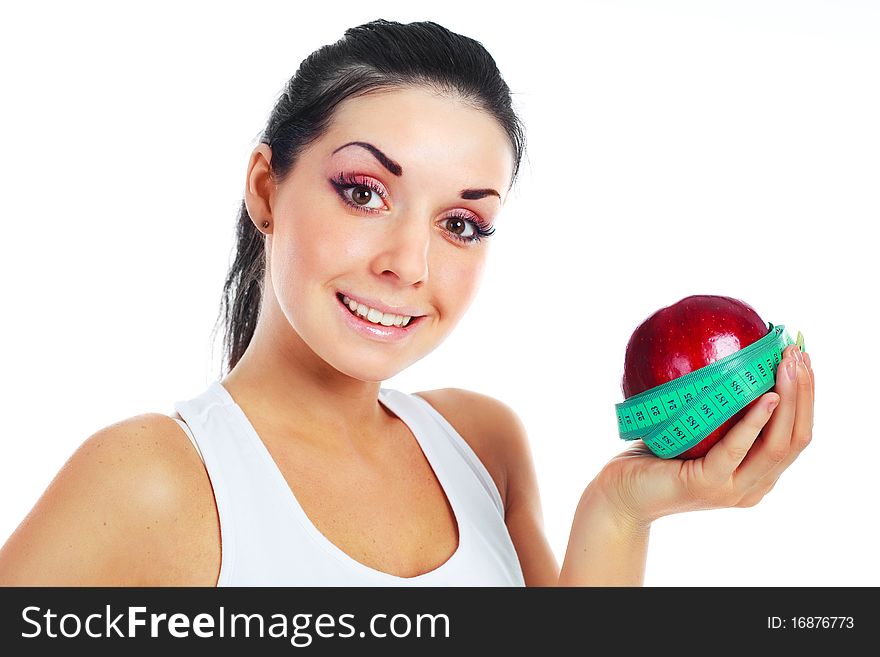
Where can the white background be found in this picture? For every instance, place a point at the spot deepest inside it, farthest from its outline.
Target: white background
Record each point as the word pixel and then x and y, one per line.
pixel 675 148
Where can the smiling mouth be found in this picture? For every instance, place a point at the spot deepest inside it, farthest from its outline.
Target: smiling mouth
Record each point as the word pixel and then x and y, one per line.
pixel 374 316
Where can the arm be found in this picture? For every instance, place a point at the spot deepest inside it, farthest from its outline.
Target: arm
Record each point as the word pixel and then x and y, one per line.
pixel 608 542
pixel 609 537
pixel 117 514
pixel 605 548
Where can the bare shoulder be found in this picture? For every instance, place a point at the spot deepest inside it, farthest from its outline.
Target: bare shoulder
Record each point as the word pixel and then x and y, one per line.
pixel 131 506
pixel 491 428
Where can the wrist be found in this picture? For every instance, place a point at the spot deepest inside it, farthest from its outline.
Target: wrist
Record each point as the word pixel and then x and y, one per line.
pixel 603 496
pixel 608 544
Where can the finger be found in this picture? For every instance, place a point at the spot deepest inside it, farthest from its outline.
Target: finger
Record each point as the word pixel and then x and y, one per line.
pixel 758 493
pixel 803 428
pixel 812 378
pixel 792 351
pixel 802 431
pixel 775 443
pixel 725 456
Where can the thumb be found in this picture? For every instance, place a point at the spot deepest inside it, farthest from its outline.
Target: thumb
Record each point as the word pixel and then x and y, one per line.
pixel 726 455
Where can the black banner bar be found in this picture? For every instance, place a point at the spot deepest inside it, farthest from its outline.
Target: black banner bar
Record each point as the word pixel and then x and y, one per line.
pixel 427 621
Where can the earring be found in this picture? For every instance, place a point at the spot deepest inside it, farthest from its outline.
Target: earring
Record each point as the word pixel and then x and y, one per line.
pixel 266 223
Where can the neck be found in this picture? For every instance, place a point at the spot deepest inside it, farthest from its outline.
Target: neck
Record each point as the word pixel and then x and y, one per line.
pixel 282 383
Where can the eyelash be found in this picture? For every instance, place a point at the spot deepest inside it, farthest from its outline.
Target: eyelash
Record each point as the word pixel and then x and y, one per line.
pixel 343 182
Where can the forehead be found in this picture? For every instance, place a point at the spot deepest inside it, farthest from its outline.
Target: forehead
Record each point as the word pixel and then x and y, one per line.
pixel 422 128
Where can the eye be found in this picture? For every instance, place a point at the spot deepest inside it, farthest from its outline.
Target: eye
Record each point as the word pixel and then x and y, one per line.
pixel 362 194
pixel 466 228
pixel 364 197
pixel 460 227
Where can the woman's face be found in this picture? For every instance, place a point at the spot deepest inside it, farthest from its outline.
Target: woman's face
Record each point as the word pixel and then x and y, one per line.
pixel 387 213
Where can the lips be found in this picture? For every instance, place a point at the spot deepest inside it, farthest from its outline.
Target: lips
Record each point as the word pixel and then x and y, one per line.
pixel 374 315
pixel 379 332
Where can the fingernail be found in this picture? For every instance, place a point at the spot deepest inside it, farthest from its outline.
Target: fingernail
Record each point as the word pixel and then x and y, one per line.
pixel 791 370
pixel 772 404
pixel 807 360
pixel 796 353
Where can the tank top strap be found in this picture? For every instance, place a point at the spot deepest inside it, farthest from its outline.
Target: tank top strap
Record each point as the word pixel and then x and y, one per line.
pixel 447 448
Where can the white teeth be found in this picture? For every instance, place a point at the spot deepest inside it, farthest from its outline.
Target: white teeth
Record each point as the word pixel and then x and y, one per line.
pixel 375 316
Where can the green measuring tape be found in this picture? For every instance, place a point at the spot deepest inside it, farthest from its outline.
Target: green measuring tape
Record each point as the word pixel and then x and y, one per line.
pixel 673 417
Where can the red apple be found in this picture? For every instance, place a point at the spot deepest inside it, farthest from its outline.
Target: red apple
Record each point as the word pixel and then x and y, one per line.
pixel 691 333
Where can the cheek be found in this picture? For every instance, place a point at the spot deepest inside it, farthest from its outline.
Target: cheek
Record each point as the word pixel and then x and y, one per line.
pixel 455 281
pixel 317 245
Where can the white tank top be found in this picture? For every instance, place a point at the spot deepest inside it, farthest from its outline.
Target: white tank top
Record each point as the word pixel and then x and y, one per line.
pixel 268 540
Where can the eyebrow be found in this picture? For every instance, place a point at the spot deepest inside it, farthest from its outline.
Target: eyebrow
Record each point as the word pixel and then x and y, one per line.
pixel 397 170
pixel 384 160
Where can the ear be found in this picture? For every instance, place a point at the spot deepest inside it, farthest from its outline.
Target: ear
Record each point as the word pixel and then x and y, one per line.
pixel 259 188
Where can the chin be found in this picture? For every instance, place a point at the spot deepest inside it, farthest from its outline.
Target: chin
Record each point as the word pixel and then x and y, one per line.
pixel 364 366
pixel 372 374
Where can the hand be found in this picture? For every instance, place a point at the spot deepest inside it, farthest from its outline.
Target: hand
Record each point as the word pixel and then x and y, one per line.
pixel 738 471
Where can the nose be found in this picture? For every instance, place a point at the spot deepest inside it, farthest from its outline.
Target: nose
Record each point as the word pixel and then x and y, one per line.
pixel 404 251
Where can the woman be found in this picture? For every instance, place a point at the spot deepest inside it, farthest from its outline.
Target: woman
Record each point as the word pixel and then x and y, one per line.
pixel 368 211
